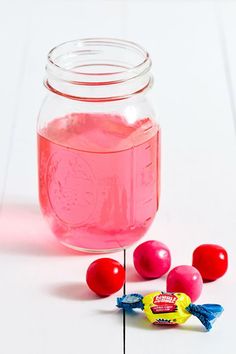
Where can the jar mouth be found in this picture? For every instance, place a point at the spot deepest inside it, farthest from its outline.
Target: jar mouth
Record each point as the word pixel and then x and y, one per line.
pixel 96 61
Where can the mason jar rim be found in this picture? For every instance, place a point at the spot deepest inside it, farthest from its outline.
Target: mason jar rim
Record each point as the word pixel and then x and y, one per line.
pixel 82 77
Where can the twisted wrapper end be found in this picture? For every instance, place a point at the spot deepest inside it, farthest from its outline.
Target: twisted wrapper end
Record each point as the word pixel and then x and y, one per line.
pixel 206 313
pixel 130 302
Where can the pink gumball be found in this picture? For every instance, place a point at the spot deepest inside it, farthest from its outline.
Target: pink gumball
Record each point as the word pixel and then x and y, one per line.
pixel 152 259
pixel 185 279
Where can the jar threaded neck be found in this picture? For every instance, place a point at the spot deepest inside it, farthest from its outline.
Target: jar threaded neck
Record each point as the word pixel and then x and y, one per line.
pixel 98 69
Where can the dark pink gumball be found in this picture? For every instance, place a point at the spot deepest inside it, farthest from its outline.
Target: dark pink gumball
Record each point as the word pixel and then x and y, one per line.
pixel 152 259
pixel 185 279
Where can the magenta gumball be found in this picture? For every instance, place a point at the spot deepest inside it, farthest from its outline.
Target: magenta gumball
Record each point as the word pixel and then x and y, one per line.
pixel 185 279
pixel 152 259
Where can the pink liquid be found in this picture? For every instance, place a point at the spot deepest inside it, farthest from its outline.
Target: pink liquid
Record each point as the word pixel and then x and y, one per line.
pixel 99 179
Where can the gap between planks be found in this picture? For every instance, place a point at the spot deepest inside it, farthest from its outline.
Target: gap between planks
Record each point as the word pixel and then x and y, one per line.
pixel 124 316
pixel 226 65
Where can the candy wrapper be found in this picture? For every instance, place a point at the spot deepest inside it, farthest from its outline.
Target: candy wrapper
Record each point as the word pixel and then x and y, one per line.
pixel 170 308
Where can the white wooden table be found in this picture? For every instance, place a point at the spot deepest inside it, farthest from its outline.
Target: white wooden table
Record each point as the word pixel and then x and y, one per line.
pixel 45 306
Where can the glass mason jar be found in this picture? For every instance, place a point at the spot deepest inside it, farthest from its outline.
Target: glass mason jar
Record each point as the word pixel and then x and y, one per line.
pixel 98 145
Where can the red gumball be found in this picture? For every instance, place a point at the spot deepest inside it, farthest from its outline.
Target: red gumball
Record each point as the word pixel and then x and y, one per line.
pixel 211 261
pixel 105 276
pixel 152 259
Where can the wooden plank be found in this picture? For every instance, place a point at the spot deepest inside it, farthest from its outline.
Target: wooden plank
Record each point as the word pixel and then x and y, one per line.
pixel 225 13
pixel 198 164
pixel 47 305
pixel 14 47
pixel 62 21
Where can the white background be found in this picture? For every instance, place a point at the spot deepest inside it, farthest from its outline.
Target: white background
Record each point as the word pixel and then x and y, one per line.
pixel 45 306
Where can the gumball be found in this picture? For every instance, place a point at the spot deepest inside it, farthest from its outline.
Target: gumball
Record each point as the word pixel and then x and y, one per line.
pixel 185 279
pixel 152 259
pixel 211 261
pixel 105 276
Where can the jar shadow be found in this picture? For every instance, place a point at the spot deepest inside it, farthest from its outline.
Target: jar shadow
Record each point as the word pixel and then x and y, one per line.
pixel 24 232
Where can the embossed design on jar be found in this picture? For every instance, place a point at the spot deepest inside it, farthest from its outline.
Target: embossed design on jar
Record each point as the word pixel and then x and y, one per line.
pixel 70 187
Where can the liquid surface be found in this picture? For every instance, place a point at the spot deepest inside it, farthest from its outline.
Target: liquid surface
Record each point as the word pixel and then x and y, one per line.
pixel 99 179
